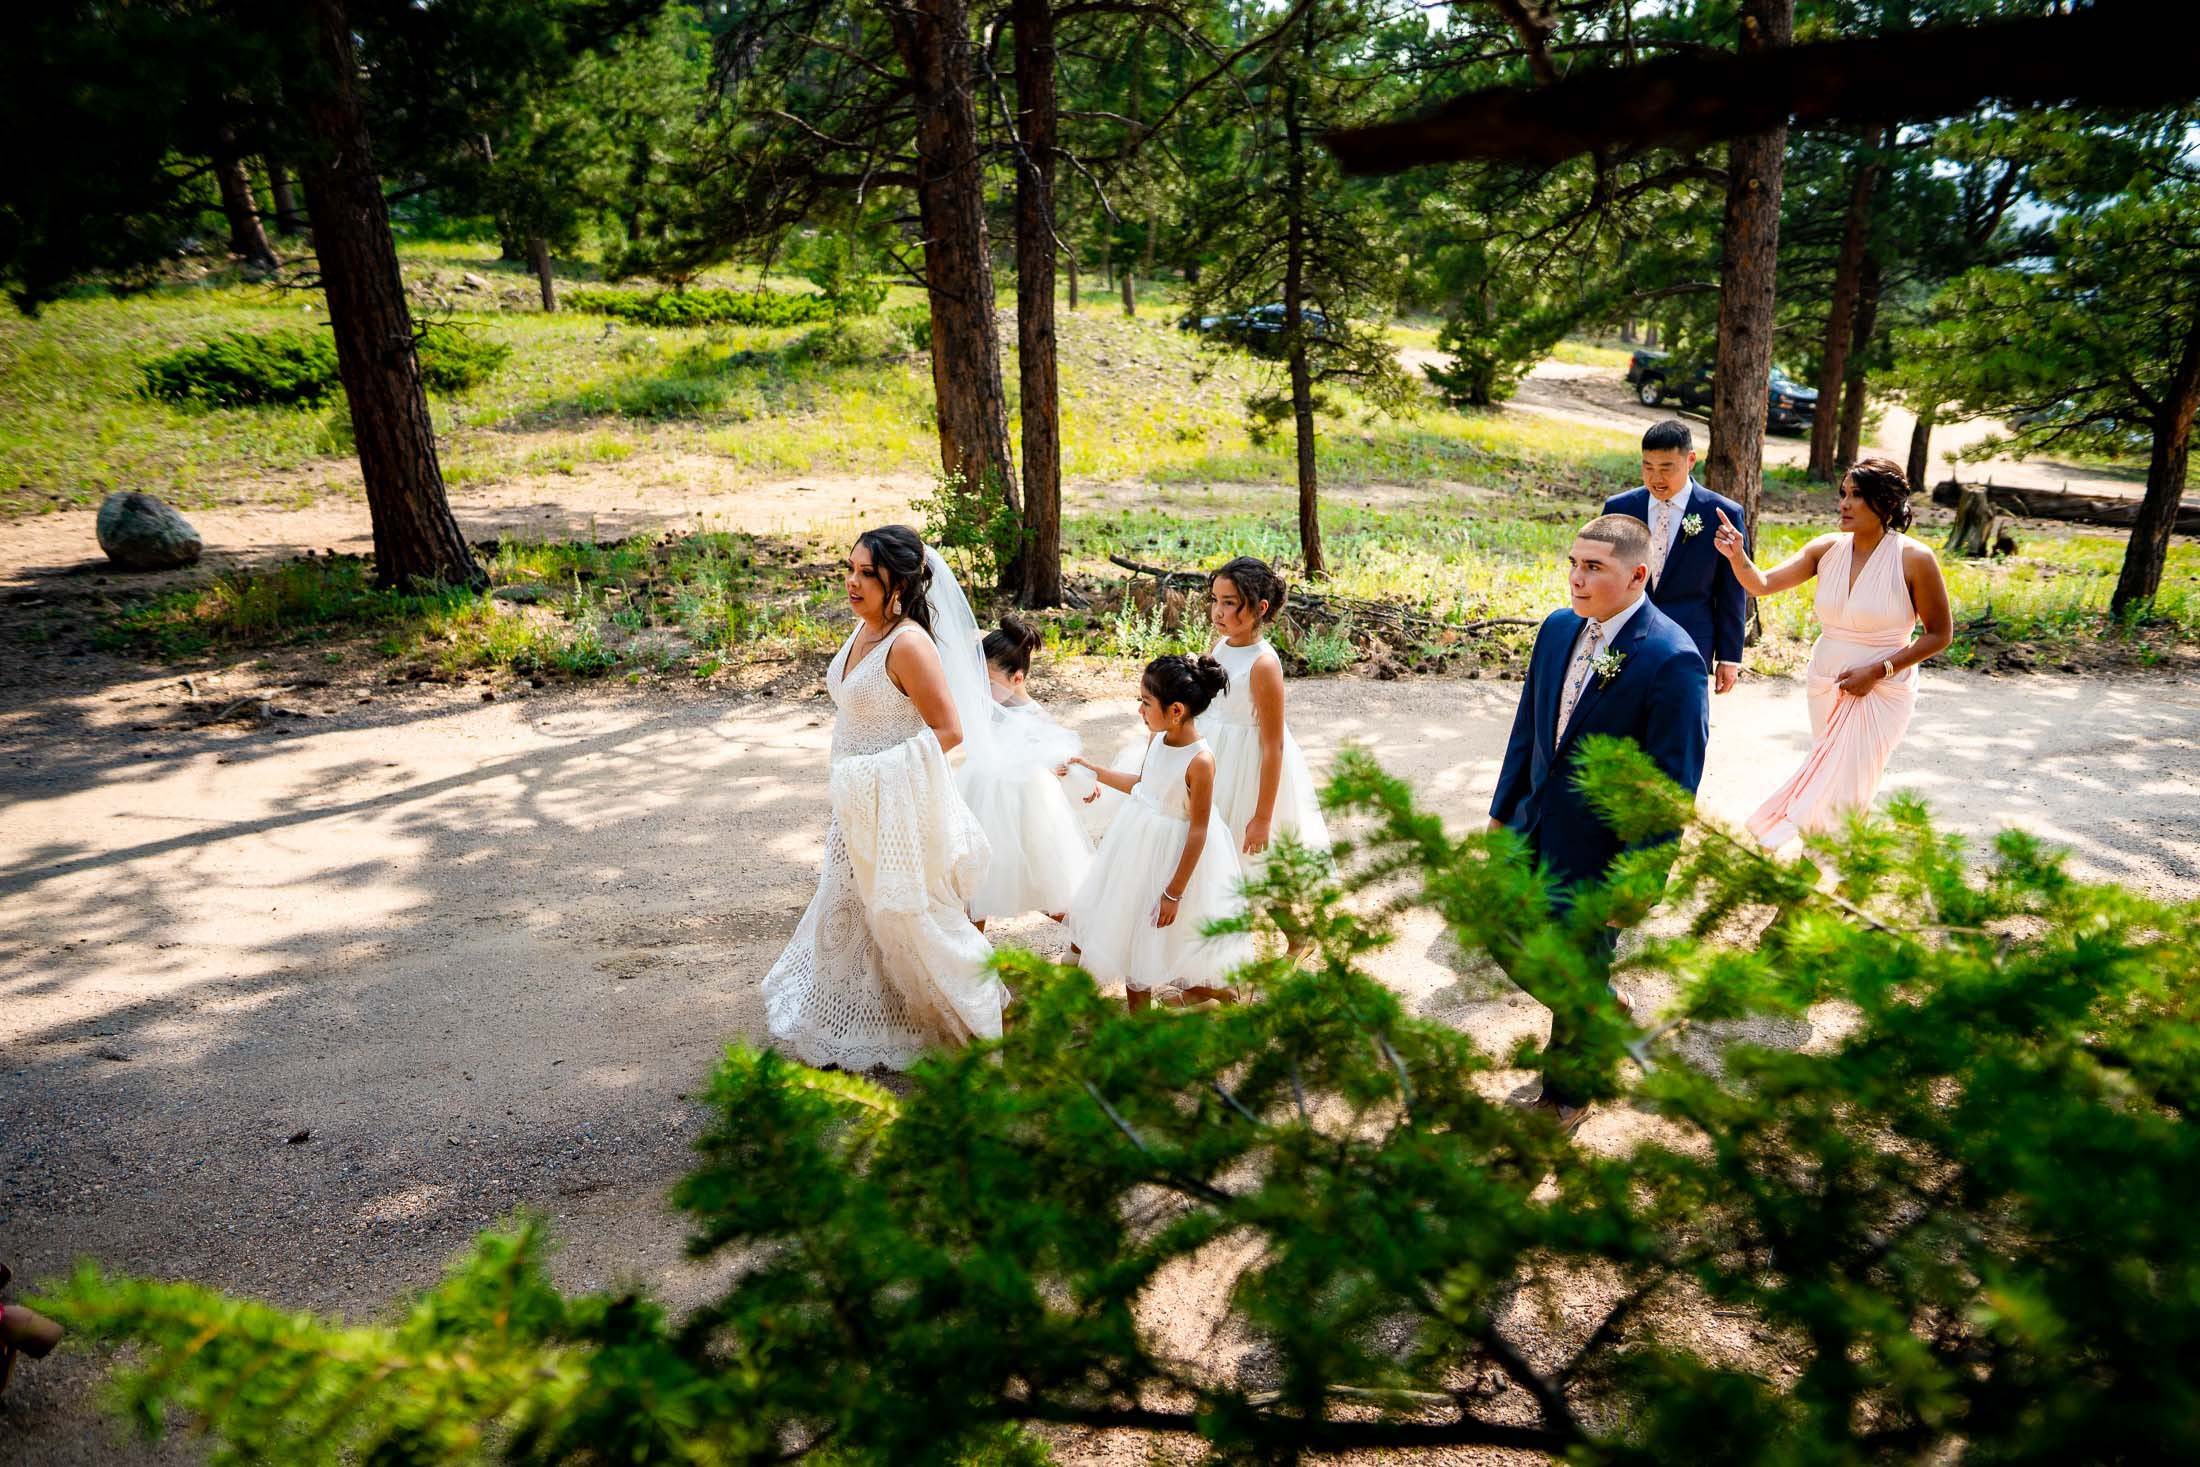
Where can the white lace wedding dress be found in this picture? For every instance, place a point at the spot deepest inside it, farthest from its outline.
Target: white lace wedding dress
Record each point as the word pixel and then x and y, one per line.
pixel 838 995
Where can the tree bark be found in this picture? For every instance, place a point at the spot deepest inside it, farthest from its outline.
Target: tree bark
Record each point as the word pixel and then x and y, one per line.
pixel 538 258
pixel 415 537
pixel 1627 330
pixel 1296 204
pixel 1650 336
pixel 1853 401
pixel 1035 348
pixel 1980 529
pixel 2141 576
pixel 288 220
pixel 1130 293
pixel 1848 278
pixel 934 39
pixel 247 240
pixel 1921 446
pixel 1069 259
pixel 1750 237
pixel 2113 511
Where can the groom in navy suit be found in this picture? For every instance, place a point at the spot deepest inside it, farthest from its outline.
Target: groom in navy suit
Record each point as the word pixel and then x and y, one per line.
pixel 1613 664
pixel 1689 580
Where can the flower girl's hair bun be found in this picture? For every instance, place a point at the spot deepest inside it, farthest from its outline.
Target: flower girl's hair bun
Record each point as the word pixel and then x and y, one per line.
pixel 1193 681
pixel 1009 646
pixel 1256 580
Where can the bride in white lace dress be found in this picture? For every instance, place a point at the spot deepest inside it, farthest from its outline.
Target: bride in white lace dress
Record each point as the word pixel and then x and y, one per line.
pixel 885 964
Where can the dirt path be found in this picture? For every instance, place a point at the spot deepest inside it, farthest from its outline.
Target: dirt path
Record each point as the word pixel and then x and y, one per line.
pixel 676 493
pixel 484 951
pixel 1600 397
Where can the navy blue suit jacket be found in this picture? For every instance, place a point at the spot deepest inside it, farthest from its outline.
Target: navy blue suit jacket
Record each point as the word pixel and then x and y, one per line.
pixel 1697 588
pixel 1660 698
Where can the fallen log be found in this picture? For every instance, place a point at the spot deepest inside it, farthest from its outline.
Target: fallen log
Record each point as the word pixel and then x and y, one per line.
pixel 1319 607
pixel 2110 510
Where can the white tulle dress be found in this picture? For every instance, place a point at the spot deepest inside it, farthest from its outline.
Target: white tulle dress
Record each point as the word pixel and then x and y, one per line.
pixel 1111 919
pixel 1040 849
pixel 1234 734
pixel 884 965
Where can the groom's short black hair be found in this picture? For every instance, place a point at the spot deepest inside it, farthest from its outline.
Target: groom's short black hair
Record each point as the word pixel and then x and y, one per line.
pixel 1669 436
pixel 1628 536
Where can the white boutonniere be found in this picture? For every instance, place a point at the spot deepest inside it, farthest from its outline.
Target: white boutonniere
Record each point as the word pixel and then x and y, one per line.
pixel 1606 666
pixel 1690 524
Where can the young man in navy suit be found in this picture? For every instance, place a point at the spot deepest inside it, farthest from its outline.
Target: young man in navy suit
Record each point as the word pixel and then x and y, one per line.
pixel 1612 664
pixel 1689 580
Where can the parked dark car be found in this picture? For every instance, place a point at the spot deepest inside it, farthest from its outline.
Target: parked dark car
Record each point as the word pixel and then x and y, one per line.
pixel 1258 330
pixel 1789 405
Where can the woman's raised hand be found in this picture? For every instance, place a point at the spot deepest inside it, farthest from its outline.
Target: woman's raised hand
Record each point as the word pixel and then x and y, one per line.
pixel 1728 541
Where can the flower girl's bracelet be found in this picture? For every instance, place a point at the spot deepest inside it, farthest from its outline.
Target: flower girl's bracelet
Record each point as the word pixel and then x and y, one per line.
pixel 1172 896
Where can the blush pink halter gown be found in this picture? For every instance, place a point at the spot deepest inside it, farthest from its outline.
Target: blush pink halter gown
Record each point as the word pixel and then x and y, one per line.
pixel 1851 738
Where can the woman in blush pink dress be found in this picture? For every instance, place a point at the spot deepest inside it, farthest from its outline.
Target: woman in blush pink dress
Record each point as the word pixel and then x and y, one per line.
pixel 1875 585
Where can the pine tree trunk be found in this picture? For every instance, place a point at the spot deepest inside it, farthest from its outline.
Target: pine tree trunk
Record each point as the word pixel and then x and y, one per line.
pixel 1130 293
pixel 1035 356
pixel 1921 447
pixel 2141 576
pixel 415 537
pixel 1650 336
pixel 538 258
pixel 1070 260
pixel 1853 401
pixel 1296 204
pixel 1848 277
pixel 1750 240
pixel 1627 331
pixel 288 221
pixel 247 240
pixel 934 36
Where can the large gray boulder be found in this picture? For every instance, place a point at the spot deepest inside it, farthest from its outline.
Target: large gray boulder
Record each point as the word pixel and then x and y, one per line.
pixel 139 532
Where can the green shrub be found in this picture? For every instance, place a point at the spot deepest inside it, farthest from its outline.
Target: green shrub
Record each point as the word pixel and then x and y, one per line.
pixel 452 360
pixel 915 324
pixel 289 366
pixel 972 527
pixel 852 342
pixel 707 307
pixel 1955 1226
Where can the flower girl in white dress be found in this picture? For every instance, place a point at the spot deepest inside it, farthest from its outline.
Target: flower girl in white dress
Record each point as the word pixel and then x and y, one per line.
pixel 1262 786
pixel 1040 849
pixel 1167 866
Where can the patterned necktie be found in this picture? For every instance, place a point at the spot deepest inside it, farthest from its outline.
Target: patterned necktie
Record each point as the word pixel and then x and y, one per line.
pixel 1658 527
pixel 1577 678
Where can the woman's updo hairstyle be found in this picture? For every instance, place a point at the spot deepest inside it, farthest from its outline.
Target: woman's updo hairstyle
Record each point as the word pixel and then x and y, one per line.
pixel 897 554
pixel 1256 580
pixel 1009 646
pixel 1880 483
pixel 1193 681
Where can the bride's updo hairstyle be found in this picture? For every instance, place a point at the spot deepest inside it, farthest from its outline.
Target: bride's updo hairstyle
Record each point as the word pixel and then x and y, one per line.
pixel 897 554
pixel 1880 483
pixel 1009 646
pixel 1193 681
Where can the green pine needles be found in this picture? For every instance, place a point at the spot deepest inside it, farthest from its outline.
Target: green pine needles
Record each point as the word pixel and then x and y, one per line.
pixel 1956 1222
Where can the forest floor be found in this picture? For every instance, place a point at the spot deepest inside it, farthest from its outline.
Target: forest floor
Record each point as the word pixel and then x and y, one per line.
pixel 484 953
pixel 483 939
pixel 482 934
